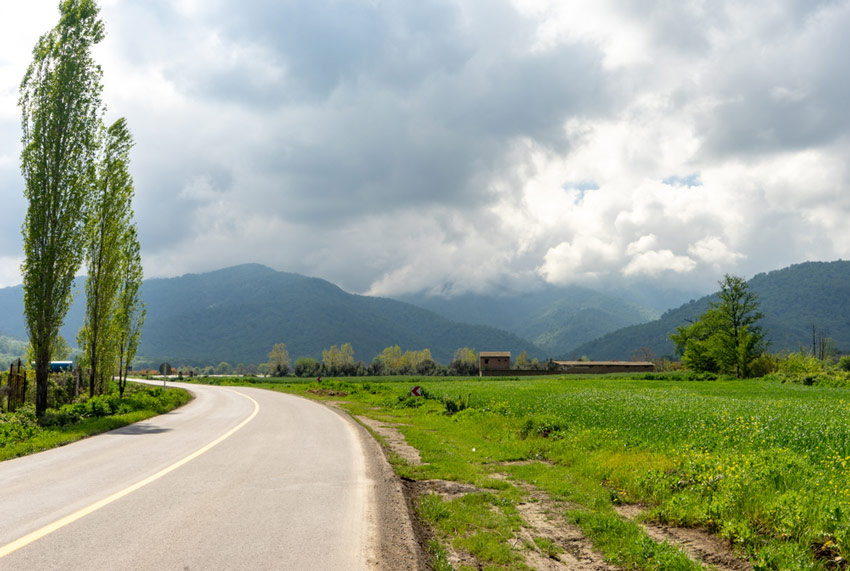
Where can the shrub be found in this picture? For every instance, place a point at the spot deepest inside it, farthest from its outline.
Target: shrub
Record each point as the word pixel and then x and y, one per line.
pixel 844 363
pixel 799 364
pixel 763 365
pixel 543 426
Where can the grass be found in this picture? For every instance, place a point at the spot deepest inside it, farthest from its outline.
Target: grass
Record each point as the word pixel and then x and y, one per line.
pixel 760 463
pixel 21 434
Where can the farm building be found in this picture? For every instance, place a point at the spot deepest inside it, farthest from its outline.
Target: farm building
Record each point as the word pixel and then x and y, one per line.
pixel 489 361
pixel 498 363
pixel 601 367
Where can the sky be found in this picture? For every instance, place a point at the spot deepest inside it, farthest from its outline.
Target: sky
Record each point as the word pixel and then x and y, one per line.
pixel 452 146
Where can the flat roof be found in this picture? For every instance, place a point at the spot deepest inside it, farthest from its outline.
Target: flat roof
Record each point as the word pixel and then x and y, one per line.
pixel 495 354
pixel 612 363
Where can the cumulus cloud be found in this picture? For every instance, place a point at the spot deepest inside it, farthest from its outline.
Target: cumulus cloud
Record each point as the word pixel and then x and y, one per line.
pixel 450 145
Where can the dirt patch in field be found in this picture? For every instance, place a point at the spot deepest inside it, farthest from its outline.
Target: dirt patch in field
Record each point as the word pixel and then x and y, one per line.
pixel 698 544
pixel 570 551
pixel 394 439
pixel 327 392
pixel 447 490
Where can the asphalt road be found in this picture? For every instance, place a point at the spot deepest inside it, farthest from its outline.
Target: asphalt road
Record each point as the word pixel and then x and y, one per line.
pixel 239 478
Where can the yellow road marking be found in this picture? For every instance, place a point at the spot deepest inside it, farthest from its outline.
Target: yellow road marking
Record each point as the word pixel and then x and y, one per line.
pixel 68 519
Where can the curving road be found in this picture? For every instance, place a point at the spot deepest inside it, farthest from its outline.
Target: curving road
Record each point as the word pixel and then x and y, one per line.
pixel 239 478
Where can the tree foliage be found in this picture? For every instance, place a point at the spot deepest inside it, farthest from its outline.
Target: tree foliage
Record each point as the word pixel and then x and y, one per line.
pixel 61 114
pixel 393 361
pixel 727 337
pixel 108 228
pixel 465 362
pixel 131 309
pixel 307 367
pixel 338 357
pixel 279 360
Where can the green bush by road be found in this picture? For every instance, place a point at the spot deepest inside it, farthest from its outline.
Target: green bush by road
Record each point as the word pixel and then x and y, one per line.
pixel 22 433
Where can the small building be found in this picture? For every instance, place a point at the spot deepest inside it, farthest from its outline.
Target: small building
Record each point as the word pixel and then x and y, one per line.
pixel 602 367
pixel 493 361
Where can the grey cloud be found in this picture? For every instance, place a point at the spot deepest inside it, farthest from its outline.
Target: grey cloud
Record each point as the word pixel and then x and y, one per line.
pixel 367 141
pixel 788 94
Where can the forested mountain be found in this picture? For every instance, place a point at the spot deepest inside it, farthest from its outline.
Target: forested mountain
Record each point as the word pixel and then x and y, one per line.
pixel 556 319
pixel 237 314
pixel 792 299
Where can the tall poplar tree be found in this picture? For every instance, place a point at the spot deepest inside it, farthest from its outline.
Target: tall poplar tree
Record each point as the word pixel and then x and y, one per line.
pixel 60 100
pixel 107 229
pixel 131 308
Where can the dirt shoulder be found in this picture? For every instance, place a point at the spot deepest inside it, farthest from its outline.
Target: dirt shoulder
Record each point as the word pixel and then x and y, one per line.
pixel 393 541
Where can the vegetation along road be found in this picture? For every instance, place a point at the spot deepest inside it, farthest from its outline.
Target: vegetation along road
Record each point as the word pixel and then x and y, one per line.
pixel 240 478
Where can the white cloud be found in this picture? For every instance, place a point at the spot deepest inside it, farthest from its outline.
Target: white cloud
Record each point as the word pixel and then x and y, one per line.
pixel 655 262
pixel 642 244
pixel 712 250
pixel 10 271
pixel 584 259
pixel 394 147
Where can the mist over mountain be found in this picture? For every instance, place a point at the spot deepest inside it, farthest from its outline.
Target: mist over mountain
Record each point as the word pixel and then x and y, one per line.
pixel 556 319
pixel 792 299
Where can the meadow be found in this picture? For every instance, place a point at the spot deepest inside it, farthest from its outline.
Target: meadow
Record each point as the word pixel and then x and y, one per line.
pixel 760 463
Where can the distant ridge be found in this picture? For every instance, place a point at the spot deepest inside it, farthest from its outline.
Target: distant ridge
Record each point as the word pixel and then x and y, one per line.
pixel 793 299
pixel 236 314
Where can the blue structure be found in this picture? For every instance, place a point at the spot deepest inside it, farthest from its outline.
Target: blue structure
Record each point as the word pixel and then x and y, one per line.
pixel 59 366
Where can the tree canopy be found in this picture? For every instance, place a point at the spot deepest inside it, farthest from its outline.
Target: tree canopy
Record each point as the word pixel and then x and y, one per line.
pixel 726 337
pixel 61 113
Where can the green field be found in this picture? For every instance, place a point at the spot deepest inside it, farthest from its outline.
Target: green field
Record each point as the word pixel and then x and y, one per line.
pixel 760 463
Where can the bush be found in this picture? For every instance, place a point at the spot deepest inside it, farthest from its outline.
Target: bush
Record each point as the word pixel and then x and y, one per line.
pixel 19 425
pixel 543 426
pixel 799 364
pixel 763 365
pixel 844 363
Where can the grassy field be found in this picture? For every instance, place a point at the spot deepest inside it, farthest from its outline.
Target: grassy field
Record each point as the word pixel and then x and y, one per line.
pixel 760 463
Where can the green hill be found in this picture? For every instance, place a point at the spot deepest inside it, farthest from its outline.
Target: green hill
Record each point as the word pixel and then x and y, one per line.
pixel 792 299
pixel 555 319
pixel 237 314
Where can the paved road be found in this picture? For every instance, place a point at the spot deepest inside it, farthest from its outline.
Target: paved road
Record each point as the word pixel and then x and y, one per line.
pixel 286 488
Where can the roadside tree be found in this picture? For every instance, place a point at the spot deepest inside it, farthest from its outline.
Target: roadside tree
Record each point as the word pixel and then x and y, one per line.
pixel 131 310
pixel 60 101
pixel 107 229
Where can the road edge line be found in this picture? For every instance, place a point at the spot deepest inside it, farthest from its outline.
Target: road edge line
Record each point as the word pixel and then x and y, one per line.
pixel 91 508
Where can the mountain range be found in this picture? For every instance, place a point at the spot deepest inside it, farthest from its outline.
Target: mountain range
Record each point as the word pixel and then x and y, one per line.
pixel 556 319
pixel 793 300
pixel 237 314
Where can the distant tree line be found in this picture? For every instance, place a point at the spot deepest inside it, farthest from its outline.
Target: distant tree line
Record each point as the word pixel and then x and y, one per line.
pixel 339 361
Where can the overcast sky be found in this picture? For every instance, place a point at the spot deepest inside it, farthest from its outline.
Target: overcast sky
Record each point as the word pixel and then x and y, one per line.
pixel 395 146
